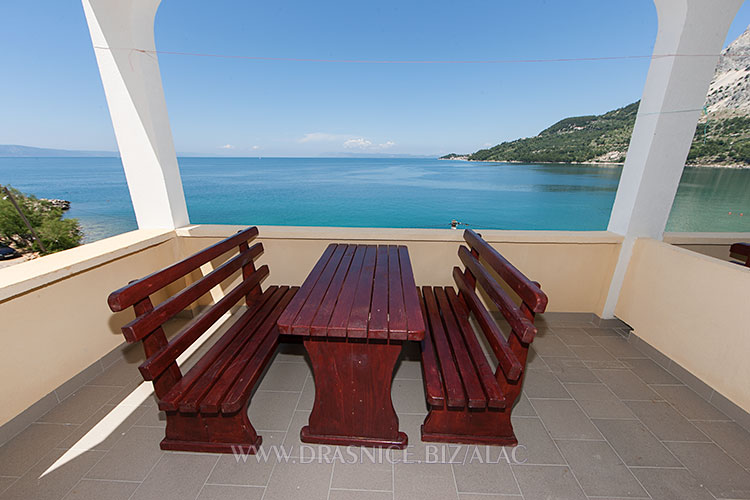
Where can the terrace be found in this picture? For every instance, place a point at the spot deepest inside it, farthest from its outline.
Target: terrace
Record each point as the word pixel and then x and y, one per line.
pixel 636 384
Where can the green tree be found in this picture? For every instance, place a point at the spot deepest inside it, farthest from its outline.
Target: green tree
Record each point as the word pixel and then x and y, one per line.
pixel 45 218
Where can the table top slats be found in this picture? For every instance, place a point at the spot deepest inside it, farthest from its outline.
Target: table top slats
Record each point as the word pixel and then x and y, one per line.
pixel 286 320
pixel 358 291
pixel 360 312
pixel 319 325
pixel 379 307
pixel 340 317
pixel 310 308
pixel 414 318
pixel 396 309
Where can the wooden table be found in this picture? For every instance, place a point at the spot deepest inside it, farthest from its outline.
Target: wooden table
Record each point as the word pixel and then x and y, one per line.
pixel 355 310
pixel 742 250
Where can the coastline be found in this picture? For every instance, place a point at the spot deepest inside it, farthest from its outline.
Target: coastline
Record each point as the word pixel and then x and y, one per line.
pixel 590 163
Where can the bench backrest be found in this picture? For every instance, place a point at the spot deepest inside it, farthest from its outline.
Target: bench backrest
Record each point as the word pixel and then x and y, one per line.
pixel 160 365
pixel 482 264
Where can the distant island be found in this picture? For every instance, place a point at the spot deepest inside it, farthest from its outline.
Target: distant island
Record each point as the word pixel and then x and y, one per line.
pixel 722 137
pixel 17 151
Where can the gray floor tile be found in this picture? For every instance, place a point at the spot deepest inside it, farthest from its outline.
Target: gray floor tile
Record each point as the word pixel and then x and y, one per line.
pixel 565 420
pixel 152 417
pixel 119 374
pixel 570 370
pixel 254 471
pixel 56 483
pixel 543 384
pixel 547 483
pixel 307 399
pixel 626 385
pixel 408 370
pixel 731 437
pixel 665 422
pixel 408 396
pixel 423 481
pixel 672 484
pixel 619 347
pixel 28 447
pixel 132 457
pixel 482 496
pixel 272 410
pixel 176 476
pixel 79 406
pixel 485 478
pixel 592 353
pixel 689 403
pixel 551 346
pixel 367 475
pixel 284 377
pixel 5 482
pixel 113 437
pixel 635 444
pixel 523 408
pixel 599 471
pixel 535 446
pixel 533 361
pixel 304 481
pixel 96 490
pixel 598 401
pixel 605 365
pixel 359 495
pixel 602 332
pixel 574 337
pixel 650 372
pixel 221 492
pixel 714 469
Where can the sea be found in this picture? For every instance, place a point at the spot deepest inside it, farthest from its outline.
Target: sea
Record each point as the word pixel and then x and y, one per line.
pixel 392 192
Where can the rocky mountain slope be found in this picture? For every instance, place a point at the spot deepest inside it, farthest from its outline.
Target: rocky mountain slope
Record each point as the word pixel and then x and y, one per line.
pixel 722 137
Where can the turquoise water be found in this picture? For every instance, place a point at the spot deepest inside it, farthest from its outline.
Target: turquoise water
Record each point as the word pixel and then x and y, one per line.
pixel 420 193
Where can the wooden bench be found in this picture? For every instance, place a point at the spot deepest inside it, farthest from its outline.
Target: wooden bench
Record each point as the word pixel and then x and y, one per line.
pixel 206 408
pixel 469 402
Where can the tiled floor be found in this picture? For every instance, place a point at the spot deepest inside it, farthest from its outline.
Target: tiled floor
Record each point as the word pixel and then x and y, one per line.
pixel 597 420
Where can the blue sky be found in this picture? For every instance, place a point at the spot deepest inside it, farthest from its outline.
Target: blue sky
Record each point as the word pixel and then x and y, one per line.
pixel 51 95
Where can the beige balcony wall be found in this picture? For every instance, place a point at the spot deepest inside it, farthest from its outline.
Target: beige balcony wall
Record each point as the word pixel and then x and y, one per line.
pixel 574 268
pixel 694 309
pixel 55 318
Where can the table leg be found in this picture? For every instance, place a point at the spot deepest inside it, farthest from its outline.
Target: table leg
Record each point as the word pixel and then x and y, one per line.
pixel 353 394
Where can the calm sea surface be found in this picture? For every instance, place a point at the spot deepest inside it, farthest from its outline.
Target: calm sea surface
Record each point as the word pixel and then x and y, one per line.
pixel 418 193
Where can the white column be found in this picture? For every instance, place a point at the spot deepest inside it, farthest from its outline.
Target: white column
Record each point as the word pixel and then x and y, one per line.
pixel 132 84
pixel 691 34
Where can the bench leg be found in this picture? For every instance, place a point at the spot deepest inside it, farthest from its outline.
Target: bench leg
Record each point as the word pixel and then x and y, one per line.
pixel 487 427
pixel 211 433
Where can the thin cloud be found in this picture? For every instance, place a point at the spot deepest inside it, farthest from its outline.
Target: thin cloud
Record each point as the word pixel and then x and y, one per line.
pixel 226 146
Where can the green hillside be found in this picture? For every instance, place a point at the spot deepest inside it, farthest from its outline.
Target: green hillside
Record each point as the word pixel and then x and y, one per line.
pixel 605 138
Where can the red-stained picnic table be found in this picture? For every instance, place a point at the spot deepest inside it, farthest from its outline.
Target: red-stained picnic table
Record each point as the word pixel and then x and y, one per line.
pixel 742 250
pixel 355 310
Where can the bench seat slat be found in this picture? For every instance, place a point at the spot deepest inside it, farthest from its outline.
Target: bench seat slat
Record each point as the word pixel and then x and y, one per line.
pixel 430 369
pixel 474 393
pixel 454 391
pixel 140 289
pixel 213 400
pixel 201 377
pixel 510 365
pixel 157 363
pixel 245 382
pixel 495 397
pixel 147 323
pixel 520 324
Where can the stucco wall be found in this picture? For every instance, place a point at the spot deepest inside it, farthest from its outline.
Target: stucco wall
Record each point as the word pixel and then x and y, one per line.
pixel 694 309
pixel 574 268
pixel 55 318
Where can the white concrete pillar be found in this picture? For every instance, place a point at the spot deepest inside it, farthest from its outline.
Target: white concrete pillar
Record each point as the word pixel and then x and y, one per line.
pixel 132 84
pixel 690 37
